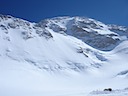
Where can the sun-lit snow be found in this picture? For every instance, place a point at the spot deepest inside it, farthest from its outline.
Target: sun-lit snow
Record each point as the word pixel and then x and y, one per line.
pixel 48 59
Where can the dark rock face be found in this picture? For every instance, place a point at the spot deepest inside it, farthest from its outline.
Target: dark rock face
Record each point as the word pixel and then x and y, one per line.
pixel 102 42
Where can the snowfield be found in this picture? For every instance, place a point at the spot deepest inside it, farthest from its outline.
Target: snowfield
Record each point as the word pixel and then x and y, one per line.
pixel 63 56
pixel 123 92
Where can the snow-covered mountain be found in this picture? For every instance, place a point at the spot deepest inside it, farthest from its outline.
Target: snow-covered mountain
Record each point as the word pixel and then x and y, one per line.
pixel 88 30
pixel 61 56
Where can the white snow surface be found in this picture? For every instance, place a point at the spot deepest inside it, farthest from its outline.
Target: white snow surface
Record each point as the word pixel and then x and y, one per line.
pixel 37 61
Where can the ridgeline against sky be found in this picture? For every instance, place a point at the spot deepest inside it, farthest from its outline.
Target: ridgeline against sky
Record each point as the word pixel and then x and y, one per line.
pixel 107 11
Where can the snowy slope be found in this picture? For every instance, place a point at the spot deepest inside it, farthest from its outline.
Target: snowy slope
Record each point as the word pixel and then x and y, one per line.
pixel 45 59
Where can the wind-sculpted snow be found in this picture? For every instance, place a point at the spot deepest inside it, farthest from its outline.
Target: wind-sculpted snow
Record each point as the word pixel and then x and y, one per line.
pixel 123 73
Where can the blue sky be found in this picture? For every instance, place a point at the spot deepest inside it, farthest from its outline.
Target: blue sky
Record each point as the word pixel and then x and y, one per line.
pixel 107 11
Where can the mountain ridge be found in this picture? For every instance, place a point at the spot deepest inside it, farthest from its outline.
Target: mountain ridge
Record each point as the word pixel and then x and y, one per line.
pixel 88 30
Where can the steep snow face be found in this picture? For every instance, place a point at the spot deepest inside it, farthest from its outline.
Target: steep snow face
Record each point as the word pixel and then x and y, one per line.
pixel 88 30
pixel 42 47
